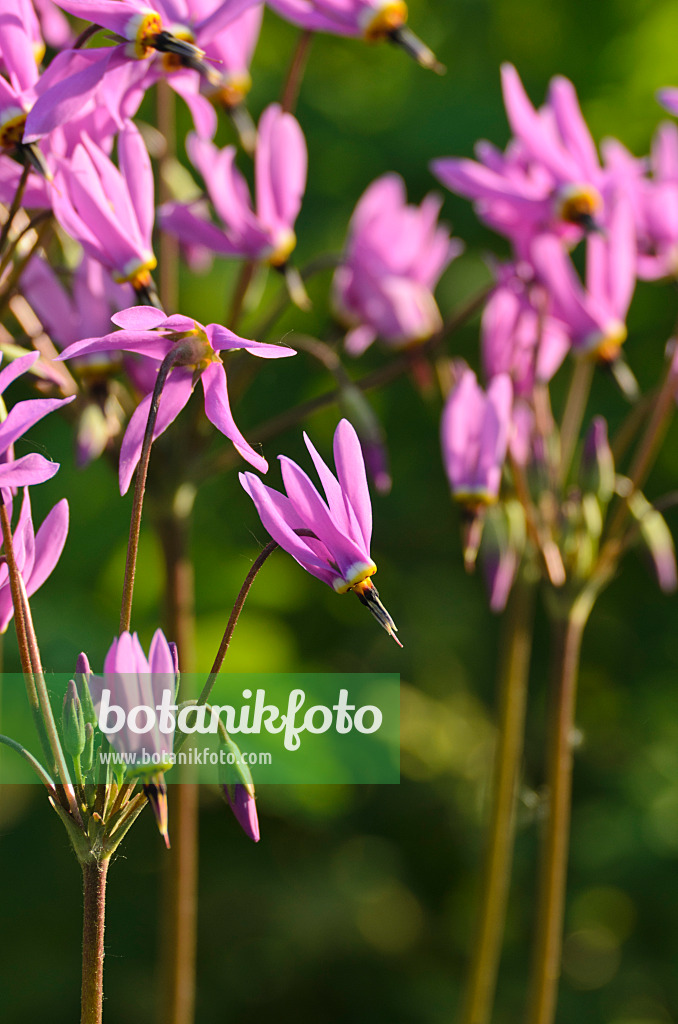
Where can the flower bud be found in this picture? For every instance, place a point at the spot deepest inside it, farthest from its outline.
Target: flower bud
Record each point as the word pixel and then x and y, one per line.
pixel 238 788
pixel 82 674
pixel 87 757
pixel 597 462
pixel 72 722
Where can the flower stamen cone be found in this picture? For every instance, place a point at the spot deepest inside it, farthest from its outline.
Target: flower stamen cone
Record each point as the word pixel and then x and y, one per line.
pixel 368 595
pixel 155 791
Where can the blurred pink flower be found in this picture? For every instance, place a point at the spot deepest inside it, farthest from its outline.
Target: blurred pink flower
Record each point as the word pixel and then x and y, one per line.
pixel 395 255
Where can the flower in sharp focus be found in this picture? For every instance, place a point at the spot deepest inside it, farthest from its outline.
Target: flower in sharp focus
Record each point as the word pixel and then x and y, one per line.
pixel 395 256
pixel 264 232
pixel 148 332
pixel 134 681
pixel 36 555
pixel 330 536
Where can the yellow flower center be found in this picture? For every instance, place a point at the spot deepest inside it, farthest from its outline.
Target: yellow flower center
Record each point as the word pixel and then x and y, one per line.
pixel 142 30
pixel 234 89
pixel 12 130
pixel 137 274
pixel 285 244
pixel 472 499
pixel 605 346
pixel 357 578
pixel 578 203
pixel 391 15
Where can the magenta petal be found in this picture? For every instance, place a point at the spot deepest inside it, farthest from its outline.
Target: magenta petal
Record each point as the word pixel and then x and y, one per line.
pixel 280 520
pixel 139 318
pixel 16 368
pixel 218 411
pixel 143 343
pixel 175 395
pixel 29 469
pixel 221 338
pixel 24 415
pixel 316 514
pixel 348 459
pixel 245 810
pixel 64 94
pixel 49 543
pixel 159 655
pixel 187 85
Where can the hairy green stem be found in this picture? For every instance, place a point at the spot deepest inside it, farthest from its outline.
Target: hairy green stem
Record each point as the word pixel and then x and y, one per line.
pixel 513 677
pixel 94 884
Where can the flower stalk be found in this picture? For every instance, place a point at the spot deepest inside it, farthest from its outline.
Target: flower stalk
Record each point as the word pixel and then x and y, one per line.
pixel 94 874
pixel 513 678
pixel 567 629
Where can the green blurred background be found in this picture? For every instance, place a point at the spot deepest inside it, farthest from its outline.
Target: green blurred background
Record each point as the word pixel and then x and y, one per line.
pixel 359 903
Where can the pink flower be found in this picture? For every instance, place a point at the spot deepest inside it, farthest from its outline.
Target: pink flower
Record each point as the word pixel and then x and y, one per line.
pixel 36 555
pixel 548 180
pixel 33 468
pixel 395 255
pixel 149 332
pixel 653 198
pixel 474 433
pixel 110 211
pixel 147 28
pixel 518 337
pixel 330 536
pixel 127 699
pixel 264 232
pixel 372 20
pixel 595 315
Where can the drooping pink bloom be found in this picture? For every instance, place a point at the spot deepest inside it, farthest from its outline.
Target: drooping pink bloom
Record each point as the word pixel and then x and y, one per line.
pixel 518 337
pixel 148 332
pixel 395 255
pixel 650 186
pixel 36 555
pixel 594 316
pixel 33 468
pixel 474 433
pixel 127 699
pixel 110 211
pixel 549 179
pixel 330 536
pixel 372 20
pixel 263 232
